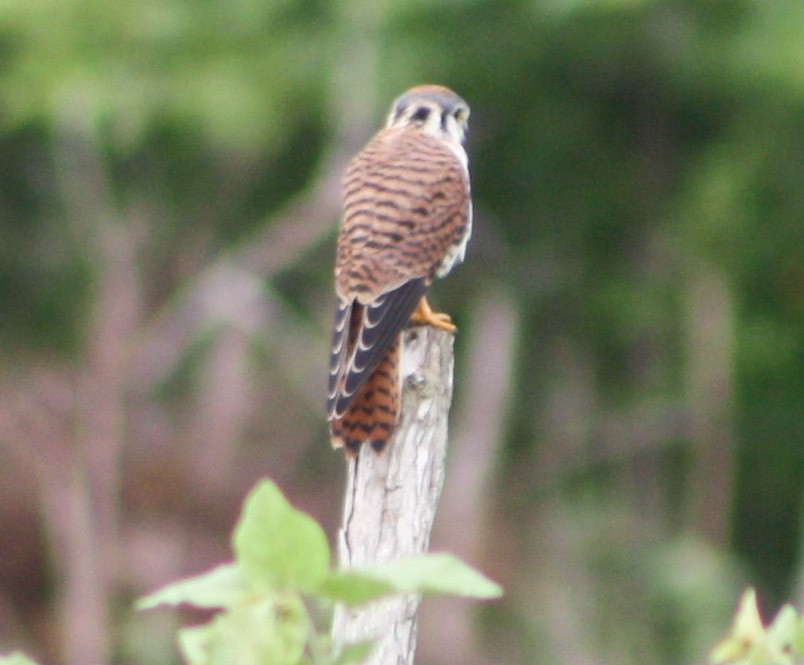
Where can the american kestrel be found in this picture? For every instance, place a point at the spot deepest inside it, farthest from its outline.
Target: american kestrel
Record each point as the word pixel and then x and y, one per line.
pixel 407 219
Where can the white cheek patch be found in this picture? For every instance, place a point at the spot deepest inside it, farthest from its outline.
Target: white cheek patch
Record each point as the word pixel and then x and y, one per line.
pixel 460 153
pixel 454 130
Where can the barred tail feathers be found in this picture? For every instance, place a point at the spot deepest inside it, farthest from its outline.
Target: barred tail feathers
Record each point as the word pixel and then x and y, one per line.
pixel 373 414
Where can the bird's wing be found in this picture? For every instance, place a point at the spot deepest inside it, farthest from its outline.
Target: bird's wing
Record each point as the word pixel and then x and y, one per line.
pixel 362 335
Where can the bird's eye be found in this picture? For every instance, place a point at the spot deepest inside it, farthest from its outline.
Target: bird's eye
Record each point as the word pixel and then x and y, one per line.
pixel 421 113
pixel 461 114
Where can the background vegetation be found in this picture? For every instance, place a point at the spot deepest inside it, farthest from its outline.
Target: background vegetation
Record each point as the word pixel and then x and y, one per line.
pixel 628 445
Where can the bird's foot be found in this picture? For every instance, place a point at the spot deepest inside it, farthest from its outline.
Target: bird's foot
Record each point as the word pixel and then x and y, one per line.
pixel 425 316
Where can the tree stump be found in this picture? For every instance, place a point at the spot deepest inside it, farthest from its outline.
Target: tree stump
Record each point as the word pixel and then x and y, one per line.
pixel 391 499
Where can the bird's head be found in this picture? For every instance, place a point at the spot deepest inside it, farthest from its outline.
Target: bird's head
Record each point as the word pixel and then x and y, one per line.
pixel 433 108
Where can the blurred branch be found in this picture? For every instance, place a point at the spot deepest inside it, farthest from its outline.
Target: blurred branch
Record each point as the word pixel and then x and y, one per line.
pixel 77 454
pixel 711 395
pixel 302 223
pixel 230 287
pixel 391 499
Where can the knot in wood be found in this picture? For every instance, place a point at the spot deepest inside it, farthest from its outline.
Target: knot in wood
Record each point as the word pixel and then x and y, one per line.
pixel 417 381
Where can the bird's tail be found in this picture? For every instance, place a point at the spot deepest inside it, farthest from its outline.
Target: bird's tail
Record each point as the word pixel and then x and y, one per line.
pixel 374 412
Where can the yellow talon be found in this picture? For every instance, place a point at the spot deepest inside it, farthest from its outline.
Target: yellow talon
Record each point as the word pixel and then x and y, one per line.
pixel 425 316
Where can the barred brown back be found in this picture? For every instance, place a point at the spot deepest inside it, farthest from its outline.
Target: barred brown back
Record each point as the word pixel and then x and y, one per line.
pixel 407 217
pixel 406 205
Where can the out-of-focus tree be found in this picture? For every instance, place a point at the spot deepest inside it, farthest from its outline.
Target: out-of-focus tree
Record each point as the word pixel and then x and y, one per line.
pixel 628 422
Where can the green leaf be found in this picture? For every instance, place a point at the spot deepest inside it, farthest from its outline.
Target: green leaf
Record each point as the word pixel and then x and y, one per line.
pixel 194 643
pixel 435 573
pixel 798 638
pixel 781 634
pixel 353 654
pixel 16 658
pixel 277 546
pixel 223 586
pixel 429 574
pixel 353 587
pixel 747 633
pixel 257 634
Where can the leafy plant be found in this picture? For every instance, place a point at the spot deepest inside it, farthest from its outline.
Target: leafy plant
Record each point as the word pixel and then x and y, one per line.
pixel 280 572
pixel 753 643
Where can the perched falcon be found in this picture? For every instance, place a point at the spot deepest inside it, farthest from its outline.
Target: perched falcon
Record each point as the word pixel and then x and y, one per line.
pixel 407 219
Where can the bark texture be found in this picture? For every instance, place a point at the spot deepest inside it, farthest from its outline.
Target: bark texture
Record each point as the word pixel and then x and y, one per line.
pixel 391 499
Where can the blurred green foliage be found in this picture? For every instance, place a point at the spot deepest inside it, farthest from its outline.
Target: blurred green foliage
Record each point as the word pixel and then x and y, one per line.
pixel 280 573
pixel 619 150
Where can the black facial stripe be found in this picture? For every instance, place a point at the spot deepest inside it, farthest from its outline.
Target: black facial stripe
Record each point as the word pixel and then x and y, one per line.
pixel 399 109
